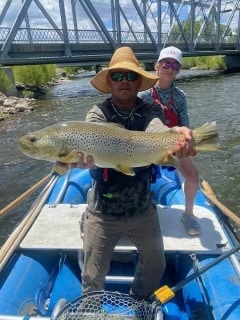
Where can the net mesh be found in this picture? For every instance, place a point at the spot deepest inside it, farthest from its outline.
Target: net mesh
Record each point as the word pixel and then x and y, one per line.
pixel 108 305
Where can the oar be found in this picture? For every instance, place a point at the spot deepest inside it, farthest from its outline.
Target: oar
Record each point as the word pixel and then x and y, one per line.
pixel 17 235
pixel 208 192
pixel 23 196
pixel 164 294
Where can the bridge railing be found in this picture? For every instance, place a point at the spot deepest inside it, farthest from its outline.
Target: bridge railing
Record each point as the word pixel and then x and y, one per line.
pixel 4 33
pixel 34 35
pixel 50 36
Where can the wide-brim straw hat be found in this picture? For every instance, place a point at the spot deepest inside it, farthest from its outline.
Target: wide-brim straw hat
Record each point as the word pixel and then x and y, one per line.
pixel 123 58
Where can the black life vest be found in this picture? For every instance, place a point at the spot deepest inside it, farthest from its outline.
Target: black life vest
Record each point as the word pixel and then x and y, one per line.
pixel 114 192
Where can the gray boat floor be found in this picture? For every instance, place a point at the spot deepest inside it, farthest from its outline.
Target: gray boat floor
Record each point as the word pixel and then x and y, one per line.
pixel 58 227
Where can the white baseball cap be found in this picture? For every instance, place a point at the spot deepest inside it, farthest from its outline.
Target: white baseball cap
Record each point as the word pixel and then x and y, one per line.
pixel 171 52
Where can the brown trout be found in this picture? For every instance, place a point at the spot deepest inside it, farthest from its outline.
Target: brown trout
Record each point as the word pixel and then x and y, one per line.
pixel 112 146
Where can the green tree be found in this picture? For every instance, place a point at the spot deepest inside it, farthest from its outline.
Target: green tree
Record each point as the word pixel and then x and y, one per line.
pixel 208 31
pixel 186 26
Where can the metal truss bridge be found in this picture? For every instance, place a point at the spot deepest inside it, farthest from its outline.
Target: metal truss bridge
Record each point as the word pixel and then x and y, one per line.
pixel 87 32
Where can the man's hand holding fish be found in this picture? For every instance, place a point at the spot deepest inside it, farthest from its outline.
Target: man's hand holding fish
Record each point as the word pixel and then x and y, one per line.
pixel 185 148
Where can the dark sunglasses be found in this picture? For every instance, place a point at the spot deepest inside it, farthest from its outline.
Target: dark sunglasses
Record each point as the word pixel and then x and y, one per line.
pixel 119 75
pixel 174 65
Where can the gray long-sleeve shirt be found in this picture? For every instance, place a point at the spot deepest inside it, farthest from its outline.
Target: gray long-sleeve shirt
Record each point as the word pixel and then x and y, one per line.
pixel 179 101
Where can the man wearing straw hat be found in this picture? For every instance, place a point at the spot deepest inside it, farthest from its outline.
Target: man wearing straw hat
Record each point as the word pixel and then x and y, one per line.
pixel 119 204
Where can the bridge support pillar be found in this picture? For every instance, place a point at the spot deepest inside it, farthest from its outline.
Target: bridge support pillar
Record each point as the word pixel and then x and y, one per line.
pixel 232 62
pixel 149 66
pixel 98 68
pixel 13 90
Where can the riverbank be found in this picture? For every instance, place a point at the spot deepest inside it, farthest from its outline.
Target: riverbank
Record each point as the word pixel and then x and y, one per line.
pixel 13 105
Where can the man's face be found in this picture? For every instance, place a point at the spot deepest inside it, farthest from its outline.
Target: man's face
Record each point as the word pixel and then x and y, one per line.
pixel 124 84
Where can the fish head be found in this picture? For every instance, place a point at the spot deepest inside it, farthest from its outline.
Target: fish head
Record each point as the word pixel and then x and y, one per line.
pixel 46 144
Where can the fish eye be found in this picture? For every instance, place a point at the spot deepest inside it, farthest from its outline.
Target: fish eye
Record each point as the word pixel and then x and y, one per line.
pixel 33 139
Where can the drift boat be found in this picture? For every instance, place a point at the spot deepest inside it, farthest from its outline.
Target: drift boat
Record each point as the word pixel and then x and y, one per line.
pixel 40 263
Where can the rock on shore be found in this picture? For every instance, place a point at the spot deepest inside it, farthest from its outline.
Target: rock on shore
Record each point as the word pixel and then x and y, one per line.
pixel 13 105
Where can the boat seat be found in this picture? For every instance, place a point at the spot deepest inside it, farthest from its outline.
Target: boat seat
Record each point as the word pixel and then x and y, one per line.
pixel 57 227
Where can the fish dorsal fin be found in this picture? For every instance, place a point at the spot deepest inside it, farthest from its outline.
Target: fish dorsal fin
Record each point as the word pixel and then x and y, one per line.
pixel 117 125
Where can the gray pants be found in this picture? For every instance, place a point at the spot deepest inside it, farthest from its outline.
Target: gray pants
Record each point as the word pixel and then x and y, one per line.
pixel 101 234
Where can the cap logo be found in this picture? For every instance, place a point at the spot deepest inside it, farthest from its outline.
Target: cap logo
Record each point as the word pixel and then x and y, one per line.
pixel 171 52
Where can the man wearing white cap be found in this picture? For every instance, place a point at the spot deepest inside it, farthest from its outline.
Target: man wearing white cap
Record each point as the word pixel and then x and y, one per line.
pixel 172 101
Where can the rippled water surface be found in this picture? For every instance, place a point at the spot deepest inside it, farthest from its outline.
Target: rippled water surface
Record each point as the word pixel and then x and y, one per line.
pixel 214 97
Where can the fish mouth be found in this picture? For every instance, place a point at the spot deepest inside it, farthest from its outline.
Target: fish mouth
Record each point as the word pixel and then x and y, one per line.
pixel 25 148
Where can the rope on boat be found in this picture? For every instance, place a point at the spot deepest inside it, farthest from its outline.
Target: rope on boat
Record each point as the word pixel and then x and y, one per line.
pixel 23 196
pixel 17 235
pixel 209 193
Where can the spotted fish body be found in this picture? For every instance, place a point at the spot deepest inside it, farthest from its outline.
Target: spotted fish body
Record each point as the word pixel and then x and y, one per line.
pixel 110 145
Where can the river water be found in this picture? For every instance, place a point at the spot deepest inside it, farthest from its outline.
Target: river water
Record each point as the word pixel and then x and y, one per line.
pixel 210 97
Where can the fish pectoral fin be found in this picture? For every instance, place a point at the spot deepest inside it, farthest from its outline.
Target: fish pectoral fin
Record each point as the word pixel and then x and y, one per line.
pixel 169 159
pixel 67 156
pixel 63 152
pixel 59 169
pixel 126 170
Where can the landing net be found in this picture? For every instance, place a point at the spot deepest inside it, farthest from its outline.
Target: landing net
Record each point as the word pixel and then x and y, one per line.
pixel 109 305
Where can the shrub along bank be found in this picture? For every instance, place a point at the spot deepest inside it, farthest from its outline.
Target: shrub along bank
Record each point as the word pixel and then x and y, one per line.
pixel 204 63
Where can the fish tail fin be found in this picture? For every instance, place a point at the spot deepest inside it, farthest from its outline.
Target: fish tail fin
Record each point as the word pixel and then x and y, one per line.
pixel 205 138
